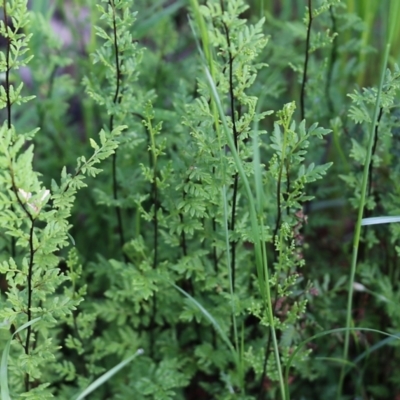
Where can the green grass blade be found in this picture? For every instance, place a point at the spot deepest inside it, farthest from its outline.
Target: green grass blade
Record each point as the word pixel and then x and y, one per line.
pixel 376 346
pixel 206 55
pixel 379 220
pixel 43 7
pixel 211 319
pixel 106 376
pixel 228 263
pixel 260 251
pixel 394 27
pixel 361 288
pixel 336 360
pixel 5 393
pixel 321 334
pixel 357 233
pixel 261 260
pixel 154 16
pixel 235 354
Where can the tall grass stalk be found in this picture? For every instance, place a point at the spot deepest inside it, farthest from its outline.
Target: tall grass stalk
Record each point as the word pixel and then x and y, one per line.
pixel 260 252
pixel 394 9
pixel 393 33
pixel 207 56
pixel 255 218
pixel 368 10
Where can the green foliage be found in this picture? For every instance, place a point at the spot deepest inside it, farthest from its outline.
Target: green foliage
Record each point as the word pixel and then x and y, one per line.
pixel 199 221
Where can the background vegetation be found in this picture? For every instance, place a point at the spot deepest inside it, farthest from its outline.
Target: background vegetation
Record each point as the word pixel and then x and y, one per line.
pixel 199 200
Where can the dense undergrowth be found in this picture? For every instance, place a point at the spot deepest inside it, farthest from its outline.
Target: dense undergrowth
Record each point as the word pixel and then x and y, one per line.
pixel 199 201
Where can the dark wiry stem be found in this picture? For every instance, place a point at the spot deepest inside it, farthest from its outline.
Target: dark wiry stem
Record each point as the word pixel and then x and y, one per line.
pixel 233 220
pixel 15 190
pixel 371 165
pixel 276 229
pixel 303 85
pixel 155 220
pixel 214 254
pixel 30 270
pixel 235 138
pixel 332 59
pixel 8 67
pixel 188 283
pixel 287 183
pixel 214 227
pixel 7 90
pixel 23 206
pixel 278 205
pixel 183 237
pixel 117 100
pixel 154 190
pixel 155 246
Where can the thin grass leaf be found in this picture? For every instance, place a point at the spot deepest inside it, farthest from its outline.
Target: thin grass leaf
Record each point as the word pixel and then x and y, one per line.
pixel 361 288
pixel 5 393
pixel 207 59
pixel 336 360
pixel 321 334
pixel 375 347
pixel 210 318
pixel 261 259
pixel 108 375
pixel 153 17
pixel 379 220
pixel 357 232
